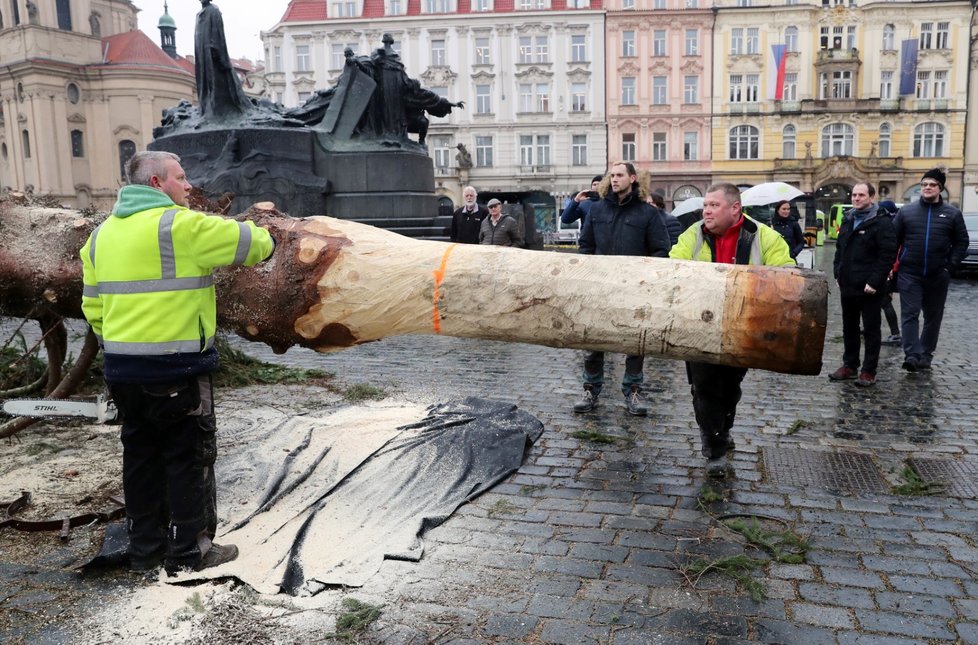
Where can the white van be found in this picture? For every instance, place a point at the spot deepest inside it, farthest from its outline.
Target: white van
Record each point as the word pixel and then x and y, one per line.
pixel 567 233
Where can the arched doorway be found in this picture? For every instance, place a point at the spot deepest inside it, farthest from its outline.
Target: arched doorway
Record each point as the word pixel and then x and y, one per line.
pixel 832 194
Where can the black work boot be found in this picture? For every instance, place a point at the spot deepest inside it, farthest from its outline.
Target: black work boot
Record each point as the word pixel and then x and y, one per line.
pixel 588 402
pixel 634 404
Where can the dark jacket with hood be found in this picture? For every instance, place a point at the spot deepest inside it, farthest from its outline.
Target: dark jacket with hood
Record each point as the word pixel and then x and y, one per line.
pixel 632 227
pixel 933 237
pixel 864 254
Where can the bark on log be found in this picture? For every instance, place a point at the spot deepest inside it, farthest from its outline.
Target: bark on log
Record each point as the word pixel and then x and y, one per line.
pixel 333 284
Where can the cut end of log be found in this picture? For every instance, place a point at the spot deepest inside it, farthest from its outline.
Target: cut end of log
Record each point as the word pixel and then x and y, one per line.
pixel 264 207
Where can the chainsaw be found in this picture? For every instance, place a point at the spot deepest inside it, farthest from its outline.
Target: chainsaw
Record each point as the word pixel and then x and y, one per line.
pixel 102 409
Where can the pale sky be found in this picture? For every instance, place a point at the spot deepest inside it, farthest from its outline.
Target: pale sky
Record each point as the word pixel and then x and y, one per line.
pixel 243 20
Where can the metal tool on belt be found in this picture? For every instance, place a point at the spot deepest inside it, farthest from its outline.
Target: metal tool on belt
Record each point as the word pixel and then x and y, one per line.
pixel 101 409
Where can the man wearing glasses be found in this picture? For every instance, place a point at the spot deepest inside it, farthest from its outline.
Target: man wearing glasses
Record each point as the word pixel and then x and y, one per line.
pixel 933 241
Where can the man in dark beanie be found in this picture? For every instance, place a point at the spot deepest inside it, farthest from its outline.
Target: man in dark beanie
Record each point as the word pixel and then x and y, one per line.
pixel 933 240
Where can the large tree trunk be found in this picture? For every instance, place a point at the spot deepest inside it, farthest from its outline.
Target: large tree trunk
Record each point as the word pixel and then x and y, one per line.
pixel 332 284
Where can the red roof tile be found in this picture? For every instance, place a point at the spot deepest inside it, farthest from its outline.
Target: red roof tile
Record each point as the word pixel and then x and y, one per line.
pixel 134 48
pixel 304 10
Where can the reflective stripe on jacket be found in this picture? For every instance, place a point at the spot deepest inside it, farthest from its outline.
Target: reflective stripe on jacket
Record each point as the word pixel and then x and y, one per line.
pixel 148 284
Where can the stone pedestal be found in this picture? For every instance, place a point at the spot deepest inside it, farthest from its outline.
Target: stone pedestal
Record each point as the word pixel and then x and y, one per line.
pixel 304 173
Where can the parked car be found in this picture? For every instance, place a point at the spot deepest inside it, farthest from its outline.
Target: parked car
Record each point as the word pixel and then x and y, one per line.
pixel 567 233
pixel 970 262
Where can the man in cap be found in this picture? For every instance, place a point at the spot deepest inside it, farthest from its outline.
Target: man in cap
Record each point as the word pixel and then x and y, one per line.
pixel 467 218
pixel 499 228
pixel 933 240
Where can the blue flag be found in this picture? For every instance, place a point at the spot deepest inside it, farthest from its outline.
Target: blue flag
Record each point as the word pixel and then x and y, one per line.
pixel 908 67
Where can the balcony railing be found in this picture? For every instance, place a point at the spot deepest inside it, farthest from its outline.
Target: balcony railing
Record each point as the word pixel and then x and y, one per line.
pixel 536 170
pixel 832 55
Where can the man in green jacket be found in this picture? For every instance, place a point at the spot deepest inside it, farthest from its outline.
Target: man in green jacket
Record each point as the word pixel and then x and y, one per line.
pixel 725 235
pixel 149 296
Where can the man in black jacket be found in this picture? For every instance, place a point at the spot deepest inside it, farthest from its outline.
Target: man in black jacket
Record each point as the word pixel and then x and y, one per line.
pixel 621 223
pixel 467 219
pixel 864 254
pixel 933 240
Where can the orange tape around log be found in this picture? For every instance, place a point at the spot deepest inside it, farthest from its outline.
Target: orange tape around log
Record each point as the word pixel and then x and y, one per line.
pixel 439 278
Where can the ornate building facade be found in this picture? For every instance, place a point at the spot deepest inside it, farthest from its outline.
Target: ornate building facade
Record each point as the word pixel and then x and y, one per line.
pixel 660 91
pixel 531 75
pixel 873 91
pixel 81 90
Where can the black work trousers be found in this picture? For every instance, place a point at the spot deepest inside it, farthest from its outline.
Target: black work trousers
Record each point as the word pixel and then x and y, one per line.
pixel 716 393
pixel 866 307
pixel 169 449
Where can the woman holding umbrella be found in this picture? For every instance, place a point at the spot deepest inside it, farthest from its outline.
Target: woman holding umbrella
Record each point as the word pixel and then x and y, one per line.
pixel 788 227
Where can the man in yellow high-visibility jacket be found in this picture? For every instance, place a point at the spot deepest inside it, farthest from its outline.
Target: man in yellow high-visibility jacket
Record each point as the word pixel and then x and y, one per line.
pixel 727 236
pixel 149 296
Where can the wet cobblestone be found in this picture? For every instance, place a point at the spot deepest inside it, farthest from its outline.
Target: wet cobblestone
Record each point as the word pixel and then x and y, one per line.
pixel 594 536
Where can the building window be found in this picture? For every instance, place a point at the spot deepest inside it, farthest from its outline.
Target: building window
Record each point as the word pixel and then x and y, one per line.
pixel 578 97
pixel 438 53
pixel 889 38
pixel 659 42
pixel 658 4
pixel 837 85
pixel 482 5
pixel 303 97
pixel 928 140
pixel 752 88
pixel 691 89
pixel 534 49
pixel 483 152
pixel 790 87
pixel 438 6
pixel 628 146
pixel 627 4
pixel 126 151
pixel 744 141
pixel 692 42
pixel 277 58
pixel 64 15
pixel 690 144
pixel 923 85
pixel 534 97
pixel 744 3
pixel 884 141
pixel 337 57
pixel 753 40
pixel 940 84
pixel 530 5
pixel 343 10
pixel 628 90
pixel 941 37
pixel 691 4
pixel 578 48
pixel 658 146
pixel 628 43
pixel 837 139
pixel 737 41
pixel 791 39
pixel 788 142
pixel 837 37
pixel 302 58
pixel 73 93
pixel 482 52
pixel 659 90
pixel 77 144
pixel 579 149
pixel 578 4
pixel 25 137
pixel 442 148
pixel 886 85
pixel 395 7
pixel 926 35
pixel 483 99
pixel 534 150
pixel 736 88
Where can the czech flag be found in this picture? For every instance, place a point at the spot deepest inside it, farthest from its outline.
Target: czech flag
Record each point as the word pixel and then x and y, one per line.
pixel 779 59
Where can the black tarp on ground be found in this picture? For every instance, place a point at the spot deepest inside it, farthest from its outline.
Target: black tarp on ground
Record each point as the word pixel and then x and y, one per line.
pixel 343 492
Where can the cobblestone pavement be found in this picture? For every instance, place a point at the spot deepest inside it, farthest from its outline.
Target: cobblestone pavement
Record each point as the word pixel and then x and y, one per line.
pixel 590 542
